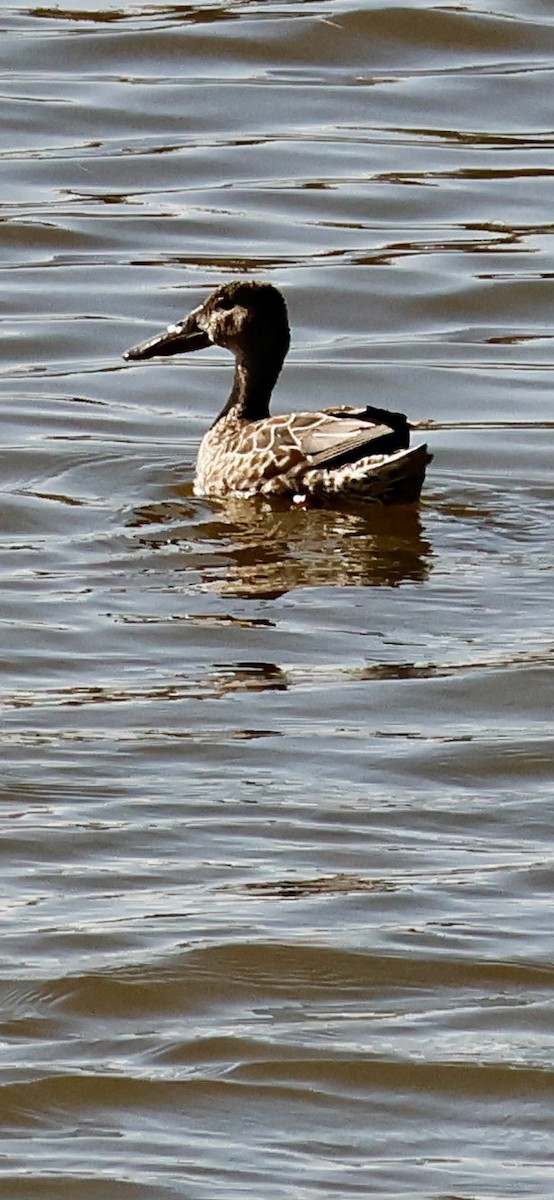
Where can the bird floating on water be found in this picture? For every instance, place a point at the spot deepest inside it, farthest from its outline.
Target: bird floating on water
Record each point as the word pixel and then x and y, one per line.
pixel 335 456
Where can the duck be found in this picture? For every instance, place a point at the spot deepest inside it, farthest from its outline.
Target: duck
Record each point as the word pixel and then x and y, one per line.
pixel 334 456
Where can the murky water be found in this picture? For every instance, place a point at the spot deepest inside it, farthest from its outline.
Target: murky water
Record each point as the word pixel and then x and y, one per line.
pixel 277 786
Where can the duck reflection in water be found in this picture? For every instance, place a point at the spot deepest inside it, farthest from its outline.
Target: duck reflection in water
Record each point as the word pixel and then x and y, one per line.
pixel 339 455
pixel 250 548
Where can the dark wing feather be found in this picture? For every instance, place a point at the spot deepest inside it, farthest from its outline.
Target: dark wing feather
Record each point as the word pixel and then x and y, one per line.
pixel 345 435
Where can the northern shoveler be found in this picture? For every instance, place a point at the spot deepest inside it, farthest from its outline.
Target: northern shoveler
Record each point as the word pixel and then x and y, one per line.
pixel 338 455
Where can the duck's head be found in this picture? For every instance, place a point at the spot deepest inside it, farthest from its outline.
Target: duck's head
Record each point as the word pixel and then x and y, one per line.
pixel 245 317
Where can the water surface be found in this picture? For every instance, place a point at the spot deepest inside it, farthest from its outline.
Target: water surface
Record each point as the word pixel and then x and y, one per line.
pixel 276 821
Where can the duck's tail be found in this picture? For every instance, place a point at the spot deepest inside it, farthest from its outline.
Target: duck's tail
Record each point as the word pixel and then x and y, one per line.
pixel 387 479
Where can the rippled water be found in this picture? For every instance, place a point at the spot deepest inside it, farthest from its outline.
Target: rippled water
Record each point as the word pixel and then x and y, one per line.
pixel 277 786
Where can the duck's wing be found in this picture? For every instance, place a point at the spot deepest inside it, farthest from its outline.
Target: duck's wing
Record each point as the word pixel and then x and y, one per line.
pixel 337 436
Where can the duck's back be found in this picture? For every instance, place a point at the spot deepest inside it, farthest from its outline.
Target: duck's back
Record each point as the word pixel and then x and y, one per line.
pixel 300 453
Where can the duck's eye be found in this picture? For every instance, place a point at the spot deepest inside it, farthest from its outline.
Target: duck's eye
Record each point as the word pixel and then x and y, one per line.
pixel 226 303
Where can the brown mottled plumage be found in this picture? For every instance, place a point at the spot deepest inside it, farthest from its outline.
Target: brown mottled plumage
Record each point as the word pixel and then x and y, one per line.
pixel 339 454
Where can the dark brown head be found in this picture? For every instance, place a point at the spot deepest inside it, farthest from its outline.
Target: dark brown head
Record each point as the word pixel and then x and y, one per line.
pixel 245 317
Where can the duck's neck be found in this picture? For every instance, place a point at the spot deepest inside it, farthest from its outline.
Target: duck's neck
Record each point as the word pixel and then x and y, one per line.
pixel 253 384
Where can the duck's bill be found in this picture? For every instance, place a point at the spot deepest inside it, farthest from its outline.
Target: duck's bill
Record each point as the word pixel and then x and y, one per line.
pixel 182 338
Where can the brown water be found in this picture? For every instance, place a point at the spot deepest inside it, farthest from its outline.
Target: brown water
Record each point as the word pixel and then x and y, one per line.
pixel 277 786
